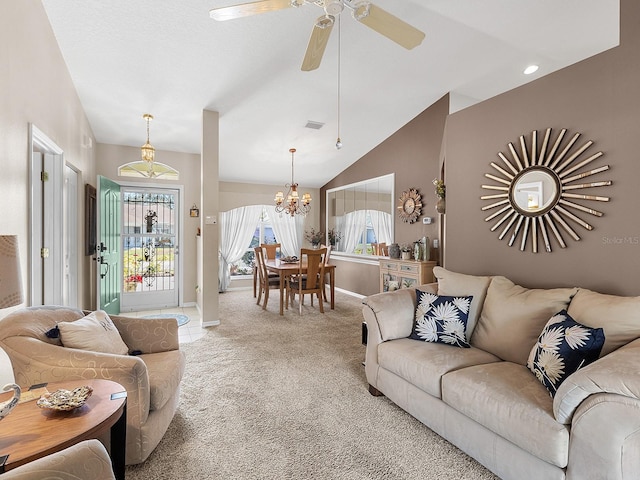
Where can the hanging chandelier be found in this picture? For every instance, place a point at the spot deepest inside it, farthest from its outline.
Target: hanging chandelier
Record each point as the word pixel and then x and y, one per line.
pixel 147 150
pixel 293 204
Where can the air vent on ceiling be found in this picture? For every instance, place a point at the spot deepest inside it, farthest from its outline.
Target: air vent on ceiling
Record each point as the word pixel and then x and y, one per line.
pixel 314 125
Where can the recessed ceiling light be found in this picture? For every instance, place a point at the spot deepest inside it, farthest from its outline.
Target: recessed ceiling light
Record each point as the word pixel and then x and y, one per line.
pixel 530 69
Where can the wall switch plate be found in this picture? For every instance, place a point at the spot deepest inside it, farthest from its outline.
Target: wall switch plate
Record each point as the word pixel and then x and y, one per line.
pixel 427 220
pixel 436 243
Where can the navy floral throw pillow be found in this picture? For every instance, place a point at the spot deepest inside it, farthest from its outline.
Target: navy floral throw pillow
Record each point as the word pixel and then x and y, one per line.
pixel 563 347
pixel 441 319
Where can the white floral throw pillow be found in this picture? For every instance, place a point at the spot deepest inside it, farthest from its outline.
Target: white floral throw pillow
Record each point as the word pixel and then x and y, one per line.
pixel 441 319
pixel 563 347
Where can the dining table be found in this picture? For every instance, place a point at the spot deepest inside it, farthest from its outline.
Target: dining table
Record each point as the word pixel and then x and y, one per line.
pixel 286 269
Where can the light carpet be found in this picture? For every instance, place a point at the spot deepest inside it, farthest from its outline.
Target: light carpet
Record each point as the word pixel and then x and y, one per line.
pixel 266 396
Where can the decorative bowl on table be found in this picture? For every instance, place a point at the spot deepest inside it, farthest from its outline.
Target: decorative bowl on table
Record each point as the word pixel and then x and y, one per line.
pixel 65 400
pixel 293 259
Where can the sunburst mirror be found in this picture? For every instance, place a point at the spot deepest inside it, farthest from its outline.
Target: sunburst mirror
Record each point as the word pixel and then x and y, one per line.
pixel 537 190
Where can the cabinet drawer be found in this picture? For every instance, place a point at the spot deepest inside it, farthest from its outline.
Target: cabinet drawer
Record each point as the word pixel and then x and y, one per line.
pixel 410 268
pixel 389 266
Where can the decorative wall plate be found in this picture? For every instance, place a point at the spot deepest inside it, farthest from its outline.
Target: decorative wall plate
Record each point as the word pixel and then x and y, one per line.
pixel 538 190
pixel 410 205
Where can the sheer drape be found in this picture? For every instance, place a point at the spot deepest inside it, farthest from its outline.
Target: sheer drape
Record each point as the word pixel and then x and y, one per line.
pixel 381 223
pixel 355 226
pixel 237 227
pixel 288 231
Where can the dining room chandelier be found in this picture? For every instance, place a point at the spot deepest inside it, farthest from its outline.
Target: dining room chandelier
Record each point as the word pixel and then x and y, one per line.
pixel 292 203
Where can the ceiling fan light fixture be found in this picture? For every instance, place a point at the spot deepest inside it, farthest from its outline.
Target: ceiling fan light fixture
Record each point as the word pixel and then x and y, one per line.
pixel 361 10
pixel 325 22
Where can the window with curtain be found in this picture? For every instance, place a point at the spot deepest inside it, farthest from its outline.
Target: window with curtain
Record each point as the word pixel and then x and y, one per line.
pixel 263 234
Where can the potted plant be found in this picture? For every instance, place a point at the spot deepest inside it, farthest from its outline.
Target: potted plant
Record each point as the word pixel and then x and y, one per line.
pixel 334 236
pixel 314 237
pixel 131 282
pixel 406 250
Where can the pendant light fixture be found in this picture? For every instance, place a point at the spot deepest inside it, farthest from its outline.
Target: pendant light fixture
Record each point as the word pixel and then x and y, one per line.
pixel 147 150
pixel 293 204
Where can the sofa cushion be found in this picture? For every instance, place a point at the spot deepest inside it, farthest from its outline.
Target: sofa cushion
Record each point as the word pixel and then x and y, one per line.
pixel 456 284
pixel 95 332
pixel 505 398
pixel 441 319
pixel 423 364
pixel 619 317
pixel 513 316
pixel 564 346
pixel 165 370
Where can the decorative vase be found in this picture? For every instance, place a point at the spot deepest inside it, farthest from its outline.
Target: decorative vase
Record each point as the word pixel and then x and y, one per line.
pixel 394 251
pixel 417 251
pixel 6 407
pixel 440 205
pixel 426 249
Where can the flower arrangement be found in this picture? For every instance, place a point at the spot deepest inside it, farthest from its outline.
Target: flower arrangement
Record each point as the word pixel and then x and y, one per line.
pixel 406 247
pixel 314 237
pixel 134 278
pixel 334 236
pixel 440 188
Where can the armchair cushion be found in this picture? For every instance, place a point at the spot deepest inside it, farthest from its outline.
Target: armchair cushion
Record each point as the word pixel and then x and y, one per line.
pixel 165 370
pixel 95 332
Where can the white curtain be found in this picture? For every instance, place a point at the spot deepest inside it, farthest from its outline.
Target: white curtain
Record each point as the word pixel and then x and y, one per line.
pixel 381 223
pixel 237 227
pixel 288 231
pixel 355 226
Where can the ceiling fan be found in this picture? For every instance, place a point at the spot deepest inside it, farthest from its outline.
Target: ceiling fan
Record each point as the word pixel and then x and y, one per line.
pixel 363 11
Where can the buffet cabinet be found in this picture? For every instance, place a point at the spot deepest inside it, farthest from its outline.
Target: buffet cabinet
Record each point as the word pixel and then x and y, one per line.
pixel 396 274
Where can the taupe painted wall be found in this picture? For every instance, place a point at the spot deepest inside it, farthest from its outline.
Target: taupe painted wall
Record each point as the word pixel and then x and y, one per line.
pixel 35 87
pixel 598 98
pixel 412 153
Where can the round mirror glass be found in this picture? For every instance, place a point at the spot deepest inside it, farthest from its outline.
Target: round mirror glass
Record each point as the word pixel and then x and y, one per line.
pixel 535 191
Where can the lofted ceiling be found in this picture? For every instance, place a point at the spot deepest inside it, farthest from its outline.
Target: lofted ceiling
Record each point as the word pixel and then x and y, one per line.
pixel 170 59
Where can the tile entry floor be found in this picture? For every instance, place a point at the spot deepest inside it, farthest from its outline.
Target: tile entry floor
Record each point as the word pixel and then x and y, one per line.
pixel 188 333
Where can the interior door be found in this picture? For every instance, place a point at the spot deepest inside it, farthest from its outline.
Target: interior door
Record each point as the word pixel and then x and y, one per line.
pixel 108 248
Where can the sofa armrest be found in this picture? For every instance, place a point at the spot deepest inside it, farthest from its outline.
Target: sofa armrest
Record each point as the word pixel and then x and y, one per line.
pixel 615 373
pixel 34 362
pixel 148 335
pixel 88 460
pixel 393 312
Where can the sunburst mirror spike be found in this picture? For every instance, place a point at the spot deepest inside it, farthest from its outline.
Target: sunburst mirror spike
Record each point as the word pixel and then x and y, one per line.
pixel 535 198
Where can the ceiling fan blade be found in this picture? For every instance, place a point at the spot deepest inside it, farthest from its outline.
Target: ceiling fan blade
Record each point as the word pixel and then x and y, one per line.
pixel 251 8
pixel 389 25
pixel 317 43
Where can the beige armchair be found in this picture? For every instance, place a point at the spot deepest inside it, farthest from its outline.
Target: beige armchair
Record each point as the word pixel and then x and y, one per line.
pixel 151 378
pixel 87 460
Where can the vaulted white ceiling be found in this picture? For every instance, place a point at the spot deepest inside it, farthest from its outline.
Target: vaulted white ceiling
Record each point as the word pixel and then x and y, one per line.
pixel 170 59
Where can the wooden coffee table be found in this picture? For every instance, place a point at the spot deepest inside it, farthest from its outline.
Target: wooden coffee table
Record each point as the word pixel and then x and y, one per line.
pixel 30 432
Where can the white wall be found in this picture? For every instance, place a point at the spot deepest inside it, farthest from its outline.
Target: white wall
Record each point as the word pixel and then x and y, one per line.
pixel 35 87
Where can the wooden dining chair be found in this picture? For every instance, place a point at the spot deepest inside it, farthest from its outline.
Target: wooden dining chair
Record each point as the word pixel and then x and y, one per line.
pixel 265 281
pixel 270 250
pixel 327 280
pixel 310 282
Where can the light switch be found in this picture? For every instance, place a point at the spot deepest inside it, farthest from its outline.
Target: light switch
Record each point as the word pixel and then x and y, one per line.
pixel 436 243
pixel 211 220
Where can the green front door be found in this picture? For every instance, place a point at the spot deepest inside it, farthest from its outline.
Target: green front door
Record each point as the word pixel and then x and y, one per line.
pixel 108 248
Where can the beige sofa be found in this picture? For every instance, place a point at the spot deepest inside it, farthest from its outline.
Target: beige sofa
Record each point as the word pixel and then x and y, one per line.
pixel 485 400
pixel 151 377
pixel 86 460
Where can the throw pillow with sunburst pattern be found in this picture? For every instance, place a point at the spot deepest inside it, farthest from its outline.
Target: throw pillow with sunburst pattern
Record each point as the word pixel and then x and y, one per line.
pixel 441 319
